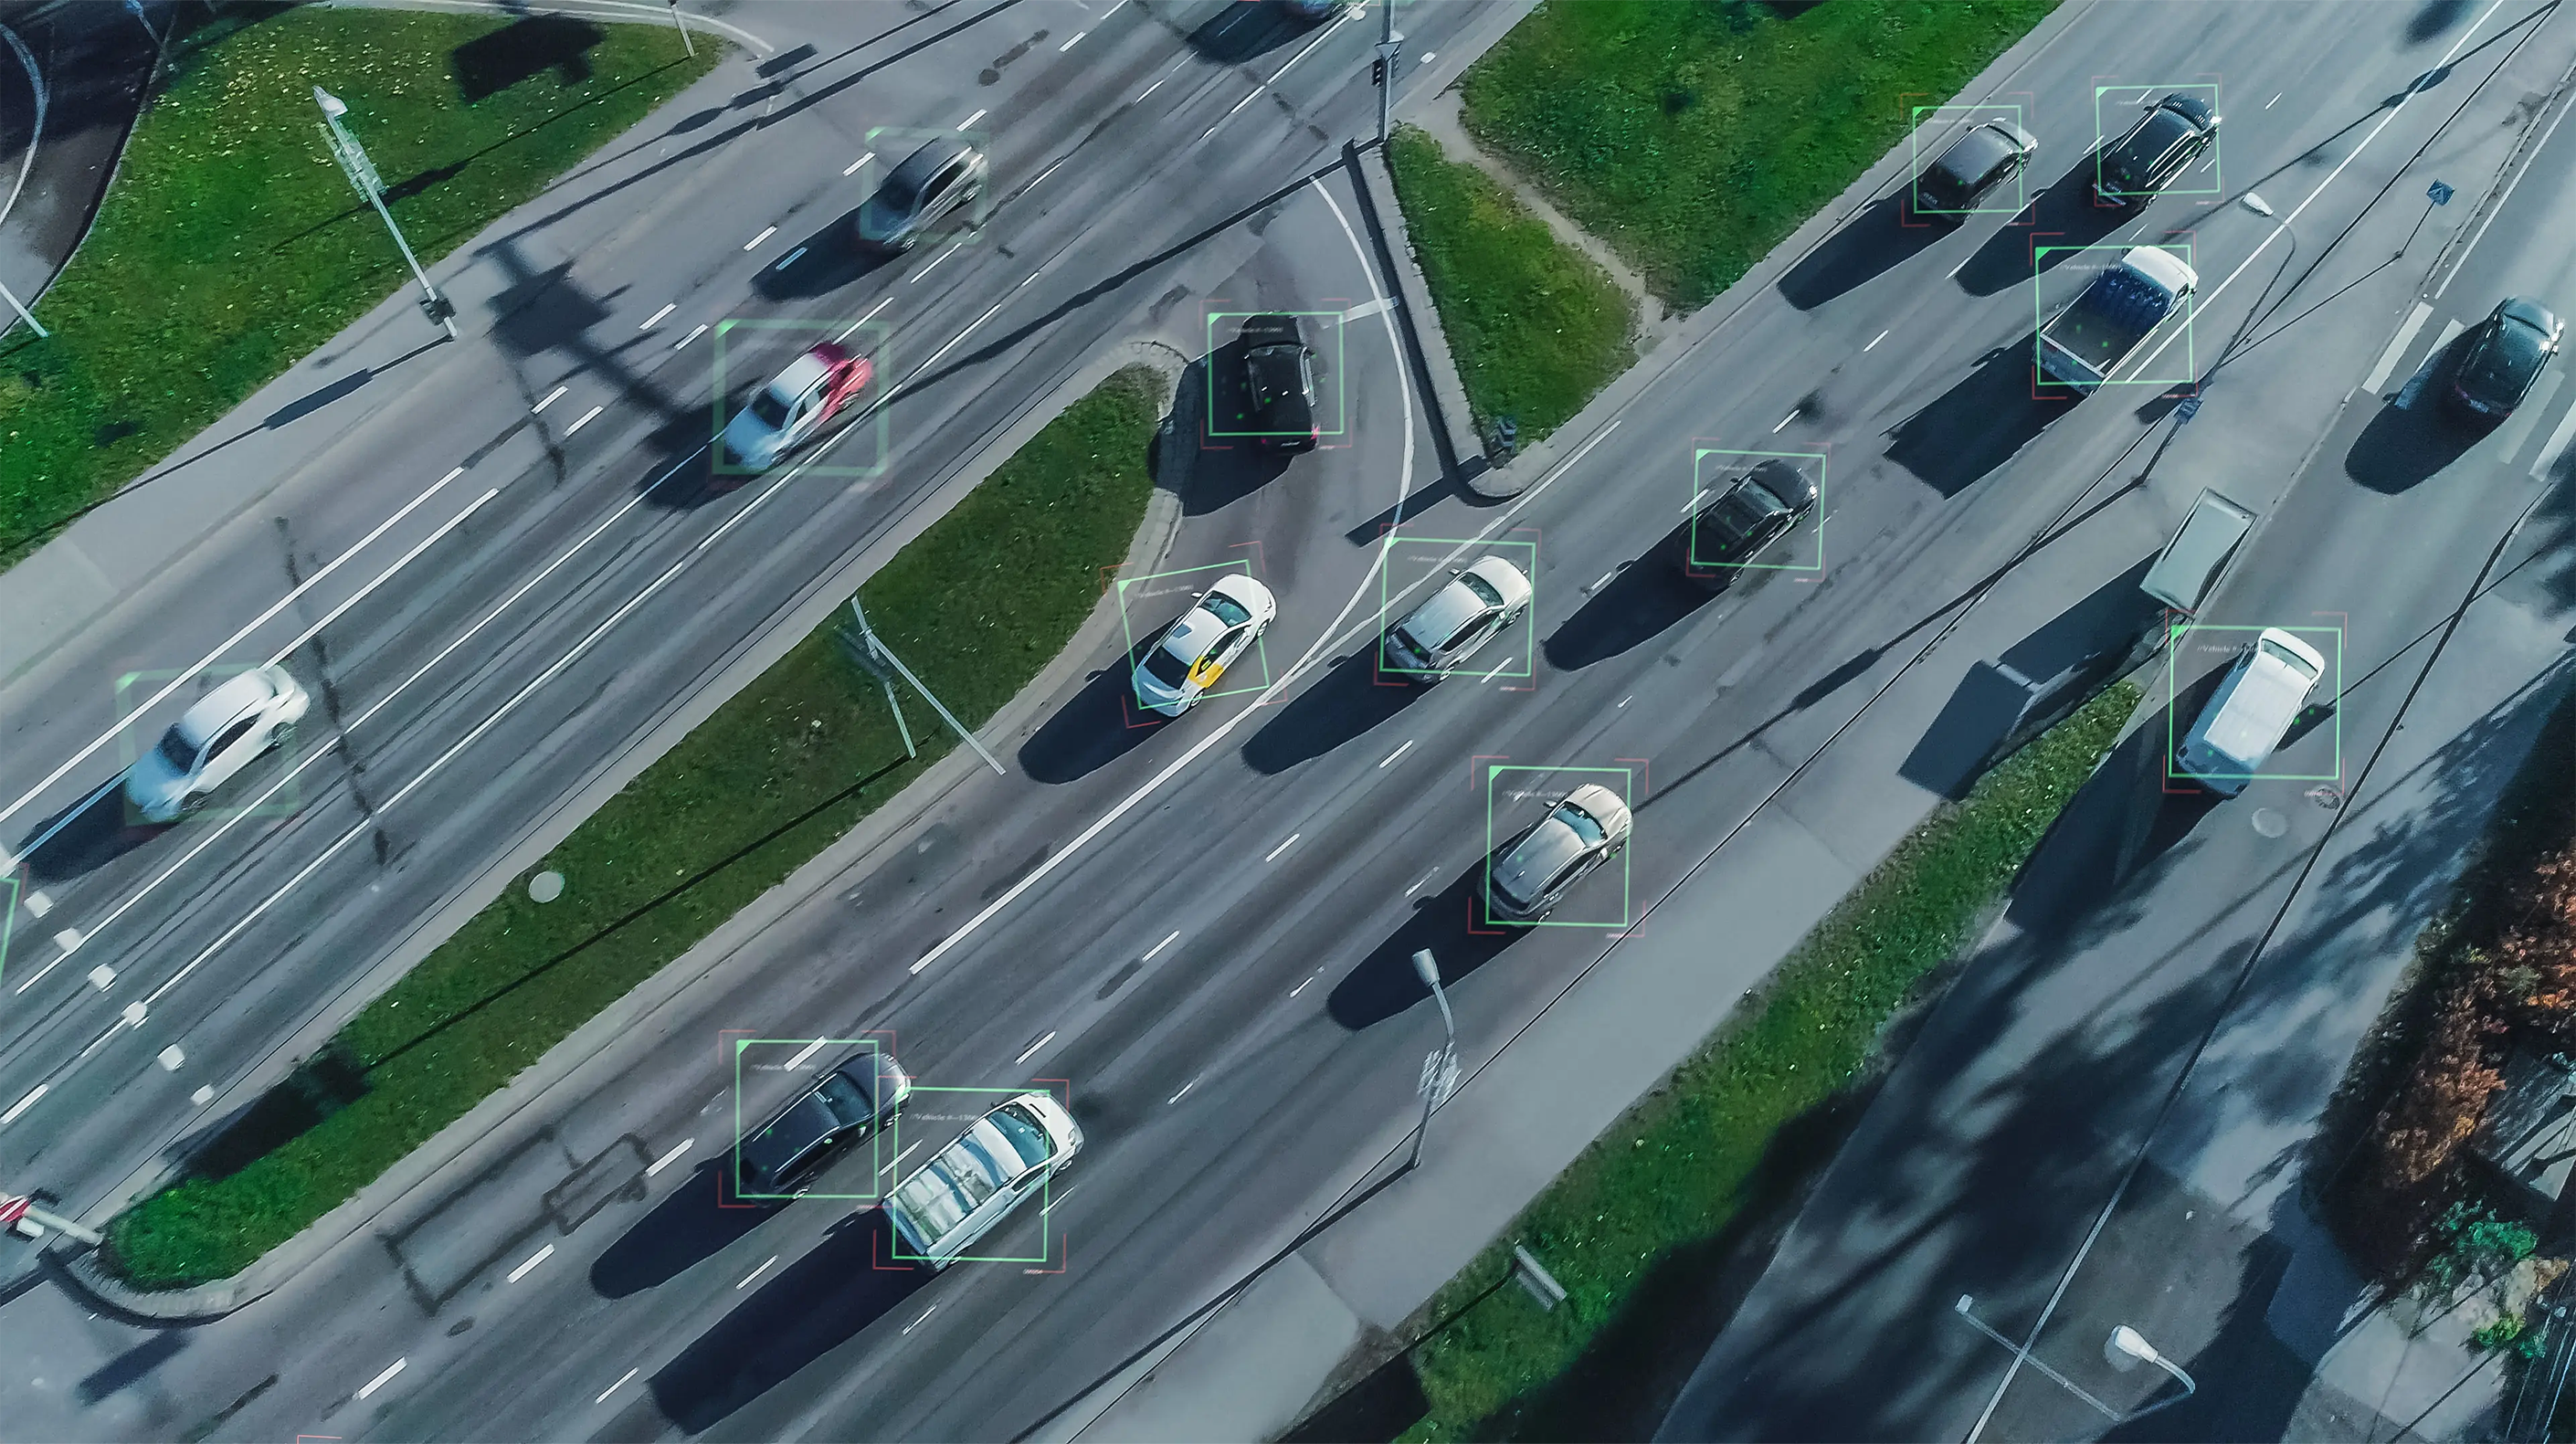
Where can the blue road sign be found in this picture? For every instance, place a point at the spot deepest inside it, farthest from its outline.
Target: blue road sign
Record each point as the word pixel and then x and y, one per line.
pixel 2440 193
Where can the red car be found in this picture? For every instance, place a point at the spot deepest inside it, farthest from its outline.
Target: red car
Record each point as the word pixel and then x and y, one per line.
pixel 788 411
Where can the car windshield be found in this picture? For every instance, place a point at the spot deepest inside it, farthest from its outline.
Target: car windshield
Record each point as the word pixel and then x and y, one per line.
pixel 1166 668
pixel 1225 609
pixel 847 1097
pixel 1483 589
pixel 177 750
pixel 1581 821
pixel 900 190
pixel 1024 1133
pixel 2289 659
pixel 770 408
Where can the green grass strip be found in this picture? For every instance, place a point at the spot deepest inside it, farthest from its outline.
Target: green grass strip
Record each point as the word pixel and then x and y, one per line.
pixel 1674 1170
pixel 976 606
pixel 1536 326
pixel 1693 136
pixel 230 245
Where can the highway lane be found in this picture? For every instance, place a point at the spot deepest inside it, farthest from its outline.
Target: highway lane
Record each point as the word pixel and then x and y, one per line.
pixel 1005 1014
pixel 604 555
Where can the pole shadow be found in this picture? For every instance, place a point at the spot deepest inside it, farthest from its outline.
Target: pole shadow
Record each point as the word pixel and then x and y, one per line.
pixel 1384 983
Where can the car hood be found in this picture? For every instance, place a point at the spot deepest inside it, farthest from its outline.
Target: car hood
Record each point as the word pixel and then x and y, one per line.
pixel 767 1153
pixel 1439 617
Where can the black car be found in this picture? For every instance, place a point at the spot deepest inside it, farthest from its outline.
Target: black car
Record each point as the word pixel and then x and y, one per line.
pixel 1984 156
pixel 1279 376
pixel 2504 356
pixel 2178 131
pixel 1730 527
pixel 852 1102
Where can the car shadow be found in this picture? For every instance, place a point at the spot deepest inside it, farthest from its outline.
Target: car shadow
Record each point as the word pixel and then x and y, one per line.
pixel 1449 925
pixel 2412 438
pixel 1977 425
pixel 1225 468
pixel 698 1221
pixel 2043 236
pixel 85 836
pixel 1101 724
pixel 822 263
pixel 813 1306
pixel 1343 705
pixel 1881 238
pixel 1643 599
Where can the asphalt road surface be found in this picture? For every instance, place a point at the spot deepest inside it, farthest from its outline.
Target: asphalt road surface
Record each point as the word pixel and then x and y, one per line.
pixel 1200 928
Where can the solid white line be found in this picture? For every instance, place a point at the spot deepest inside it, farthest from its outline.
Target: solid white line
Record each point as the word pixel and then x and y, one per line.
pixel 668 307
pixel 1417 887
pixel 862 160
pixel 175 683
pixel 1320 37
pixel 808 1051
pixel 1185 1088
pixel 692 336
pixel 1031 1050
pixel 1301 987
pixel 1399 752
pixel 1157 85
pixel 380 578
pixel 2275 100
pixel 22 1105
pixel 2556 443
pixel 925 1313
pixel 907 1153
pixel 674 1156
pixel 383 1379
pixel 551 397
pixel 586 418
pixel 970 120
pixel 1283 847
pixel 755 1273
pixel 1874 340
pixel 1042 175
pixel 765 233
pixel 1068 45
pixel 2397 346
pixel 1963 265
pixel 1165 943
pixel 613 1388
pixel 534 1259
pixel 952 345
pixel 1696 498
pixel 863 320
pixel 953 248
pixel 2495 209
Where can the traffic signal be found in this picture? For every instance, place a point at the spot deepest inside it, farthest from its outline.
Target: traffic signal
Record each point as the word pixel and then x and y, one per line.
pixel 1377 71
pixel 437 308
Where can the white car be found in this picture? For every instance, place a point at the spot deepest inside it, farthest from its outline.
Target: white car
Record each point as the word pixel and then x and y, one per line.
pixel 219 736
pixel 974 1183
pixel 1587 827
pixel 1454 621
pixel 788 411
pixel 2250 713
pixel 1195 651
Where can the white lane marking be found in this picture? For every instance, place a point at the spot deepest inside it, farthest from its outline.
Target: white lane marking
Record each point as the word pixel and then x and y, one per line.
pixel 37 902
pixel 1697 497
pixel 755 1273
pixel 1320 37
pixel 700 330
pixel 1498 670
pixel 1624 701
pixel 2275 100
pixel 669 306
pixel 586 418
pixel 1785 420
pixel 1068 45
pixel 1157 85
pixel 384 1378
pixel 900 1157
pixel 183 678
pixel 2556 444
pixel 1963 265
pixel 790 258
pixel 2492 211
pixel 2408 394
pixel 1185 1088
pixel 970 120
pixel 953 248
pixel 1248 98
pixel 863 320
pixel 135 1013
pixel 1399 752
pixel 1367 309
pixel 1874 340
pixel 1429 55
pixel 170 1058
pixel 551 398
pixel 1417 887
pixel 1283 847
pixel 1042 175
pixel 952 345
pixel 853 167
pixel 534 1259
pixel 1112 10
pixel 808 1051
pixel 204 1095
pixel 1600 581
pixel 925 1313
pixel 675 1155
pixel 2397 346
pixel 765 233
pixel 2517 429
pixel 613 1388
pixel 1301 987
pixel 1176 932
pixel 22 1105
pixel 101 976
pixel 1031 1050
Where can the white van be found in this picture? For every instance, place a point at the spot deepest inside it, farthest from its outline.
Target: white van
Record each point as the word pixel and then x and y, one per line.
pixel 972 1184
pixel 2250 712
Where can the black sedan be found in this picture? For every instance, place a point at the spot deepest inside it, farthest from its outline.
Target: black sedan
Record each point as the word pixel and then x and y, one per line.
pixel 1730 527
pixel 2503 357
pixel 2177 131
pixel 1983 157
pixel 1279 374
pixel 854 1101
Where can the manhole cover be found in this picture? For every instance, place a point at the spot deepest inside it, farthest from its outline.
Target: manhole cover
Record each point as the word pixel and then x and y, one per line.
pixel 2269 822
pixel 546 886
pixel 2328 797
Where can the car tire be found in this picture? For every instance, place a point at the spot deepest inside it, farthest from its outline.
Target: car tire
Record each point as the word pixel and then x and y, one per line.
pixel 189 805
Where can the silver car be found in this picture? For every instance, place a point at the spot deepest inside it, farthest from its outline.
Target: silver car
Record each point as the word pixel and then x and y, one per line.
pixel 935 182
pixel 1479 602
pixel 1528 875
pixel 224 732
pixel 973 1184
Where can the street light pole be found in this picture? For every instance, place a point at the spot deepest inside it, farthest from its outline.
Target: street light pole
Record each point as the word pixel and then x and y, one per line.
pixel 676 19
pixel 362 174
pixel 1438 1069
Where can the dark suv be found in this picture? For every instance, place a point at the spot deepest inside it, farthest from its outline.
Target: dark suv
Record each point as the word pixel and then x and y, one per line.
pixel 854 1101
pixel 1731 526
pixel 1985 156
pixel 2504 356
pixel 2176 132
pixel 1279 376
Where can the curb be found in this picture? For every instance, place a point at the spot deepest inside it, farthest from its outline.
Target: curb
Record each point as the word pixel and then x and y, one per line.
pixel 482 1126
pixel 1453 425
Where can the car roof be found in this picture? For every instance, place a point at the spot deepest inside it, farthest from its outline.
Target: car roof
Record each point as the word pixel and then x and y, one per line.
pixel 2154 138
pixel 922 164
pixel 801 373
pixel 1503 577
pixel 2505 360
pixel 1529 863
pixel 1976 154
pixel 1272 329
pixel 238 694
pixel 1248 592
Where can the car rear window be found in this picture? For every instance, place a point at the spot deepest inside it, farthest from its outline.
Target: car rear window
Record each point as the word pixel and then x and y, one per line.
pixel 1166 668
pixel 1483 589
pixel 1581 821
pixel 770 408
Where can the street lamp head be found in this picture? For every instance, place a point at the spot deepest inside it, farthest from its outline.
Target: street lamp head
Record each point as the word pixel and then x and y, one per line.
pixel 332 105
pixel 1427 968
pixel 2127 1346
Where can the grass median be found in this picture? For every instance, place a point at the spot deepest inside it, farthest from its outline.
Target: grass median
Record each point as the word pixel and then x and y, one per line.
pixel 976 606
pixel 1694 138
pixel 230 245
pixel 1536 326
pixel 1675 1172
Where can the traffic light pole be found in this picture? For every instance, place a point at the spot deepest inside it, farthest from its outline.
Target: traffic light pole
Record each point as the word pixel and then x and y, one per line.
pixel 1388 43
pixel 362 174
